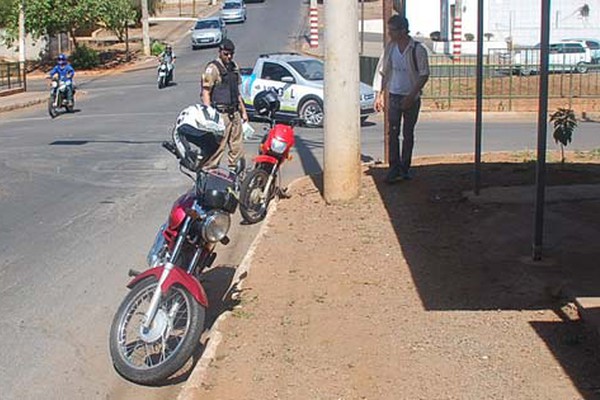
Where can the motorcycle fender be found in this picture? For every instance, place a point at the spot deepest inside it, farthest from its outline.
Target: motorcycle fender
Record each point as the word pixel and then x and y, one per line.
pixel 263 158
pixel 177 276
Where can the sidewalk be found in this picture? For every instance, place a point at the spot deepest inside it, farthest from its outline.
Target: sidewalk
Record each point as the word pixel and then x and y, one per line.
pixel 413 291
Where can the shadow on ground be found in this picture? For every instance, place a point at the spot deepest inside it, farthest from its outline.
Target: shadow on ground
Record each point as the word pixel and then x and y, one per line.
pixel 468 256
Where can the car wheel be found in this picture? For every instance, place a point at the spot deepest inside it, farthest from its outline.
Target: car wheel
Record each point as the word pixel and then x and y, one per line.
pixel 581 67
pixel 311 113
pixel 525 71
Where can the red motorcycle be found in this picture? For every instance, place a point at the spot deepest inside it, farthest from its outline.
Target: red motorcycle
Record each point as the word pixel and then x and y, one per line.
pixel 158 325
pixel 263 182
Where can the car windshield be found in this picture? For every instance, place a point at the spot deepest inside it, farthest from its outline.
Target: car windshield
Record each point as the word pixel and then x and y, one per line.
pixel 207 25
pixel 231 6
pixel 311 70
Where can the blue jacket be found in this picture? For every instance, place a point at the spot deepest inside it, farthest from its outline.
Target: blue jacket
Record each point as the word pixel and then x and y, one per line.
pixel 64 72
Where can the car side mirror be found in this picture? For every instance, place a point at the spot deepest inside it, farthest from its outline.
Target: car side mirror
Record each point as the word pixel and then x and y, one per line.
pixel 288 79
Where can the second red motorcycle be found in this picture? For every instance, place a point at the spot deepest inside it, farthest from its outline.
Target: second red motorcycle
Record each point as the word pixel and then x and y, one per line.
pixel 263 182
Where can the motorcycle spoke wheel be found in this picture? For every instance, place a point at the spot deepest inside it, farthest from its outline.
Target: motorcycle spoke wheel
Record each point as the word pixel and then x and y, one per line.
pixel 51 108
pixel 152 356
pixel 254 198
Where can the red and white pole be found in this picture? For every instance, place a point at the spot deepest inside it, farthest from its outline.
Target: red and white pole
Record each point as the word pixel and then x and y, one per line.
pixel 457 31
pixel 313 15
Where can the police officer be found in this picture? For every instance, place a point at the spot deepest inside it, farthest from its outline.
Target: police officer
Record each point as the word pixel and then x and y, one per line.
pixel 220 89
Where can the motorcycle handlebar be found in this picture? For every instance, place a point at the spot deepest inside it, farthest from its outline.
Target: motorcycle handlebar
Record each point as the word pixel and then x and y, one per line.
pixel 171 147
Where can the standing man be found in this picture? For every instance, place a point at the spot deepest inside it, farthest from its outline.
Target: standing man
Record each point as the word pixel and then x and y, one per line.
pixel 220 89
pixel 402 71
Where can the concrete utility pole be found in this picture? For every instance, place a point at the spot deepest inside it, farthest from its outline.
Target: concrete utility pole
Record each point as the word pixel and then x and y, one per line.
pixel 386 13
pixel 22 43
pixel 341 163
pixel 145 28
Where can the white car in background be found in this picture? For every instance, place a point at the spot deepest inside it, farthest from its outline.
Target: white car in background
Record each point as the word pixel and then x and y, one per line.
pixel 208 32
pixel 592 44
pixel 233 11
pixel 565 56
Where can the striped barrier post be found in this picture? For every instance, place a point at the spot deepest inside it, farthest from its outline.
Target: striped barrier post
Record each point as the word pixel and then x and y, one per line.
pixel 457 39
pixel 314 26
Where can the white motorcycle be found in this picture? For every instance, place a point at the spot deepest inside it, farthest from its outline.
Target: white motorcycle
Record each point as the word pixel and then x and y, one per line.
pixel 58 96
pixel 165 74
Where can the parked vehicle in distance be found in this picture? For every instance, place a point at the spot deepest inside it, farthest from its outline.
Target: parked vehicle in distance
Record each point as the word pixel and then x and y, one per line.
pixel 298 81
pixel 592 44
pixel 565 56
pixel 233 11
pixel 208 32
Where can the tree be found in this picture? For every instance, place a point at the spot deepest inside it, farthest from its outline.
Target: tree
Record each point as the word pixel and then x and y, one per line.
pixel 469 37
pixel 564 122
pixel 49 17
pixel 488 36
pixel 115 15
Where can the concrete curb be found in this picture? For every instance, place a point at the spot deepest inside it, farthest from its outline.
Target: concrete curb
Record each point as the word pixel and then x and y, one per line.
pixel 25 104
pixel 193 385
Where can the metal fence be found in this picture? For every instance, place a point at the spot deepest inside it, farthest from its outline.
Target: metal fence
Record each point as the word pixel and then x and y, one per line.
pixel 12 76
pixel 455 80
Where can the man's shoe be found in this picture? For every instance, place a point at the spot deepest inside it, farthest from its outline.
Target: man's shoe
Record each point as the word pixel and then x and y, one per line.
pixel 407 176
pixel 393 178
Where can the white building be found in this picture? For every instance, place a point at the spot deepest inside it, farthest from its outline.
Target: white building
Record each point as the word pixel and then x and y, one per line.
pixel 504 19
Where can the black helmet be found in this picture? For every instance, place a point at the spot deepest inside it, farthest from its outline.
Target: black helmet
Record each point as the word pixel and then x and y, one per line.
pixel 266 103
pixel 201 126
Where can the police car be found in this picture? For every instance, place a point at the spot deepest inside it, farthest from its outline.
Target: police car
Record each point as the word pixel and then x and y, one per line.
pixel 298 80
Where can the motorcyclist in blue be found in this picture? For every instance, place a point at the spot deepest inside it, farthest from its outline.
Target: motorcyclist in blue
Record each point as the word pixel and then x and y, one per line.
pixel 65 73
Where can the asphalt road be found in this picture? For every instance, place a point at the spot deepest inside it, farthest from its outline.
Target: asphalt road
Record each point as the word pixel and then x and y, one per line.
pixel 81 198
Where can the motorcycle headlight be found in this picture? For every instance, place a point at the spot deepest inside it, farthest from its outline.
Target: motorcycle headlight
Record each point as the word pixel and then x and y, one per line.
pixel 215 226
pixel 278 146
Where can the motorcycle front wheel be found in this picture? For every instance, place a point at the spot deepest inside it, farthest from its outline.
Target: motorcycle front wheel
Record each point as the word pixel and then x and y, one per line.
pixel 151 356
pixel 255 196
pixel 161 82
pixel 51 109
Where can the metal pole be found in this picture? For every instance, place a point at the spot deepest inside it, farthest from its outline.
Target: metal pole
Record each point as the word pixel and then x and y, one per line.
pixel 479 101
pixel 540 178
pixel 341 157
pixel 22 45
pixel 387 13
pixel 145 28
pixel 362 27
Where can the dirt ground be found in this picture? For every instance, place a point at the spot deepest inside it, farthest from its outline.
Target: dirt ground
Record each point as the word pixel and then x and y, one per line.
pixel 412 291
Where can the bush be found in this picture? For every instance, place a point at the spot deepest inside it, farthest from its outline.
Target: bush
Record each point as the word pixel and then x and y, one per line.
pixel 85 58
pixel 157 48
pixel 469 37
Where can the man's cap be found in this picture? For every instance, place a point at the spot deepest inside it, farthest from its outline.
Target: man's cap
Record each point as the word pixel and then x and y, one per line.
pixel 227 44
pixel 398 22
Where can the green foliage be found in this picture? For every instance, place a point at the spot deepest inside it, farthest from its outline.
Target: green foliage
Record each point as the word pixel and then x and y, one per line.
pixel 469 37
pixel 157 48
pixel 85 58
pixel 115 15
pixel 564 122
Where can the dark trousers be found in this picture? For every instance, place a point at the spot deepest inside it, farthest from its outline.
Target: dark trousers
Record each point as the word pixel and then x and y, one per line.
pixel 400 162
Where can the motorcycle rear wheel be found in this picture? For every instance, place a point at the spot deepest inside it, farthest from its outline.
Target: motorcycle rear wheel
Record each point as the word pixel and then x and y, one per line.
pixel 151 357
pixel 254 203
pixel 161 82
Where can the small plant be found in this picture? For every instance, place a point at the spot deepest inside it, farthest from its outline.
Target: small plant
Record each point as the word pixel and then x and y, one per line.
pixel 469 37
pixel 85 58
pixel 564 122
pixel 157 48
pixel 488 36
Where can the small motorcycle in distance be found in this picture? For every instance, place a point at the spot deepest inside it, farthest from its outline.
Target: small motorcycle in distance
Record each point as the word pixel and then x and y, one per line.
pixel 165 74
pixel 58 96
pixel 158 325
pixel 263 182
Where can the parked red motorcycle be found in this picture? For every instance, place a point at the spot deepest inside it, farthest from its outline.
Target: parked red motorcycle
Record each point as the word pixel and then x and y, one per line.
pixel 158 325
pixel 263 182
